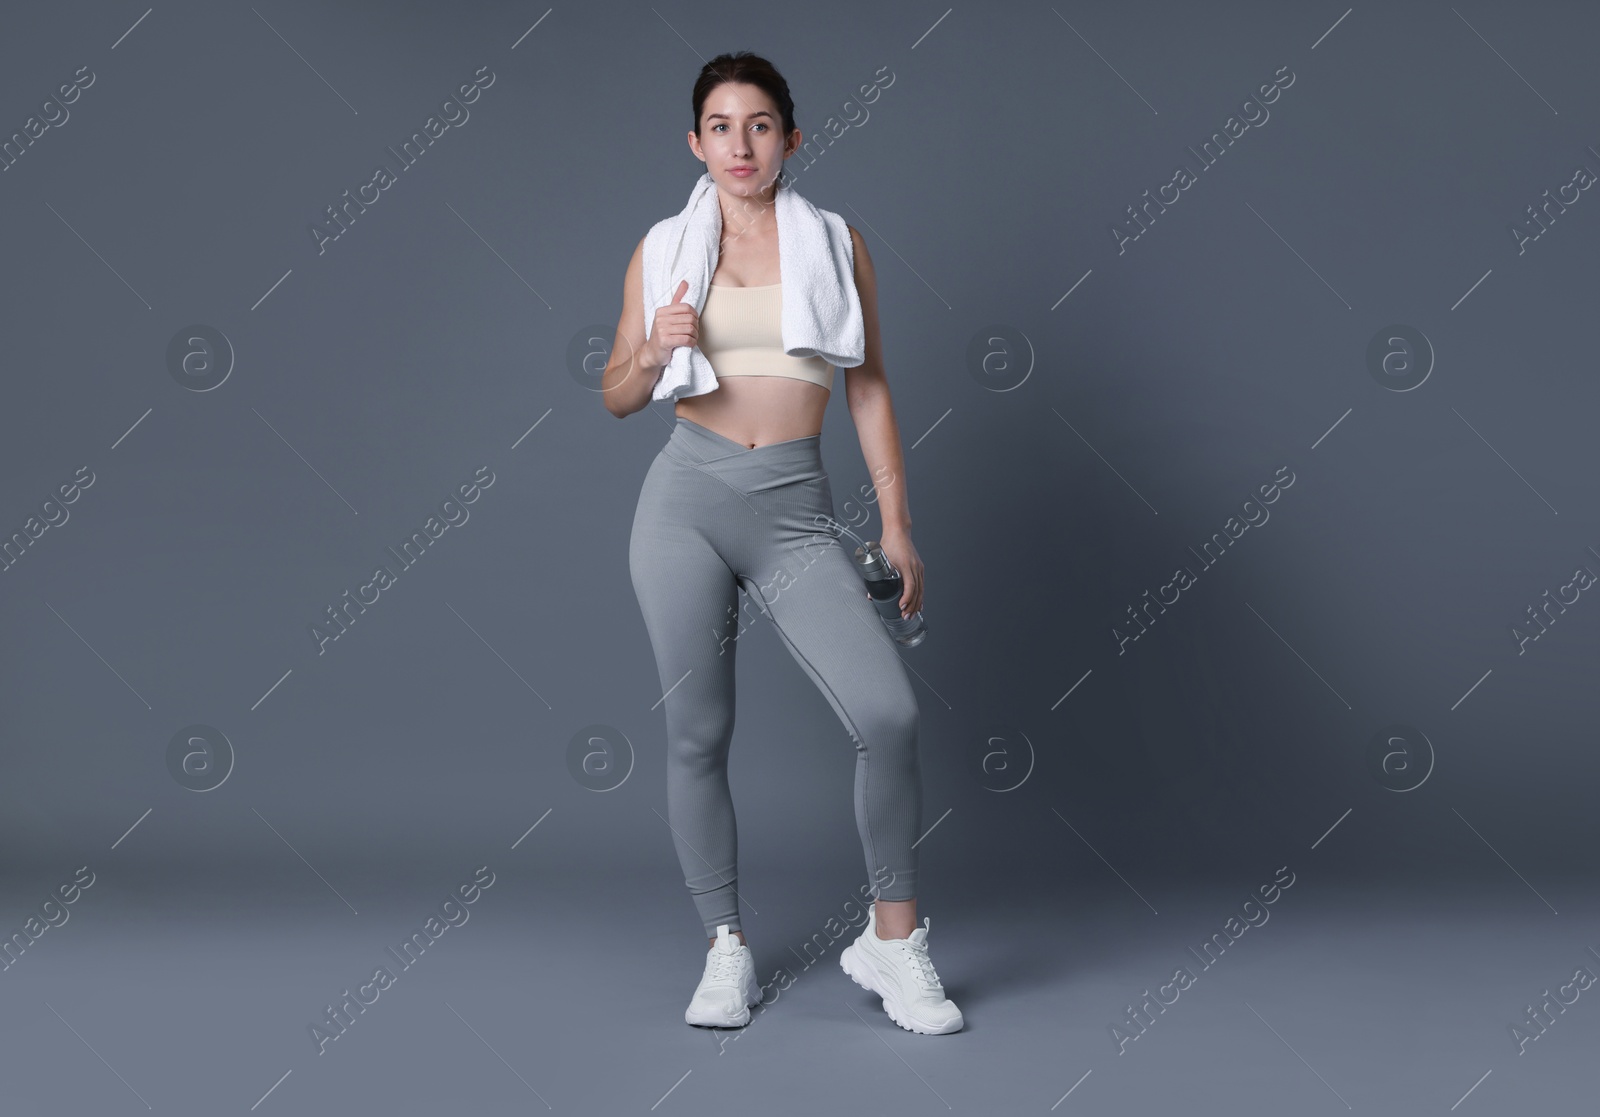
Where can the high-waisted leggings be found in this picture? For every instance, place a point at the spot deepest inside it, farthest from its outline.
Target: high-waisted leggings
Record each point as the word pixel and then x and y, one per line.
pixel 715 516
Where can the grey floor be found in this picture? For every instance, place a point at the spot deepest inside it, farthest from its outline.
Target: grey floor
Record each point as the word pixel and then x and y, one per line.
pixel 194 995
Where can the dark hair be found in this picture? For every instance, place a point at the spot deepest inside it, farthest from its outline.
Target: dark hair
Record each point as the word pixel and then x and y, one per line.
pixel 750 69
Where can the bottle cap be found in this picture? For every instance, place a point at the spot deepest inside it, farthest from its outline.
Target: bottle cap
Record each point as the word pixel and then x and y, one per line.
pixel 874 563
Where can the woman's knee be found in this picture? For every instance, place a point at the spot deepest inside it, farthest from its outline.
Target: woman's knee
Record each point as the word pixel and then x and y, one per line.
pixel 699 740
pixel 891 720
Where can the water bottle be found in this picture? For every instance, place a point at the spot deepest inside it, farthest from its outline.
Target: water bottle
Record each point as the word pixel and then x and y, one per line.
pixel 884 586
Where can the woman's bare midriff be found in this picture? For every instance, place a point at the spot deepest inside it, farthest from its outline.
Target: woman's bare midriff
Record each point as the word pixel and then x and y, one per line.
pixel 758 410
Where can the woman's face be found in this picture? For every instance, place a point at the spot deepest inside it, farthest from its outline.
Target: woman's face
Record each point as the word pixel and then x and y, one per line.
pixel 741 127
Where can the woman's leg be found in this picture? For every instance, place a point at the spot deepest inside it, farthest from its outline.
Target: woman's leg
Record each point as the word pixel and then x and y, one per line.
pixel 688 594
pixel 809 587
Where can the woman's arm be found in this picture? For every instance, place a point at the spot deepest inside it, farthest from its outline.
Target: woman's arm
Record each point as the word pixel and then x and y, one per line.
pixel 630 377
pixel 867 392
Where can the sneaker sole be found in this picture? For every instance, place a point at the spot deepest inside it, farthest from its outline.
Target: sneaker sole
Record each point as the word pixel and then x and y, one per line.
pixel 865 976
pixel 722 1020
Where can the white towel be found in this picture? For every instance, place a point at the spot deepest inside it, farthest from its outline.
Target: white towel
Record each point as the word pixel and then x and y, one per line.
pixel 816 265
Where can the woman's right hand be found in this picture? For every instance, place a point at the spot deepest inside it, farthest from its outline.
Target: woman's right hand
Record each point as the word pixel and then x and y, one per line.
pixel 675 324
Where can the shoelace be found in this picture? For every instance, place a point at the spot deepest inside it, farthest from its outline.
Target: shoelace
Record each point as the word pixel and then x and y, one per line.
pixel 922 965
pixel 724 966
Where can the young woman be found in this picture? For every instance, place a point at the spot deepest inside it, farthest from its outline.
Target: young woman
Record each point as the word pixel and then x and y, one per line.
pixel 732 501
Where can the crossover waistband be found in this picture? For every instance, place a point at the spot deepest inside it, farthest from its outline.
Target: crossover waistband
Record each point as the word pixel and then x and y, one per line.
pixel 747 470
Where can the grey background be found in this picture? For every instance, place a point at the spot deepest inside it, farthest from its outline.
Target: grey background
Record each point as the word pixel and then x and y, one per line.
pixel 437 334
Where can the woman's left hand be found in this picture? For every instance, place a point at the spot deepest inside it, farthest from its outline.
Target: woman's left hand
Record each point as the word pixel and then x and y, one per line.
pixel 900 551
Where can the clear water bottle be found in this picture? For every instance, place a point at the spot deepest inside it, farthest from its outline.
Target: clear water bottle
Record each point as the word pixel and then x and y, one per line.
pixel 884 586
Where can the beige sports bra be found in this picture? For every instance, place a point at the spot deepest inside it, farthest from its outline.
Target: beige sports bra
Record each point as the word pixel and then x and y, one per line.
pixel 741 334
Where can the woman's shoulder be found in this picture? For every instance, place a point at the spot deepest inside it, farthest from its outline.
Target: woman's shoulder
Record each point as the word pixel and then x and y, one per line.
pixel 660 228
pixel 837 226
pixel 652 246
pixel 847 234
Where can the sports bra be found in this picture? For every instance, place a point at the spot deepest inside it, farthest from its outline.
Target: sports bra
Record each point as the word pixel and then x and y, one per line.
pixel 741 334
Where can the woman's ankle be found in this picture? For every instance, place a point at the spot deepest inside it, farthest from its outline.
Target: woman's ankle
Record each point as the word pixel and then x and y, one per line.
pixel 894 919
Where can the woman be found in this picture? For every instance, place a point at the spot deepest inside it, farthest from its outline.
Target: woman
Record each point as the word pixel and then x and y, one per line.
pixel 732 501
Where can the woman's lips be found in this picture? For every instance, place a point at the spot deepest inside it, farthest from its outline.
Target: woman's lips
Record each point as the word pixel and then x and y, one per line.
pixel 742 172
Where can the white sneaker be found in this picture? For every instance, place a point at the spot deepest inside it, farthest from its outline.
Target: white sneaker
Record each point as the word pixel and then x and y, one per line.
pixel 728 987
pixel 900 971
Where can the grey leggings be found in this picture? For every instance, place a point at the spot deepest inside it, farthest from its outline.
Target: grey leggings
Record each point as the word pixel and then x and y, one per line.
pixel 715 516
